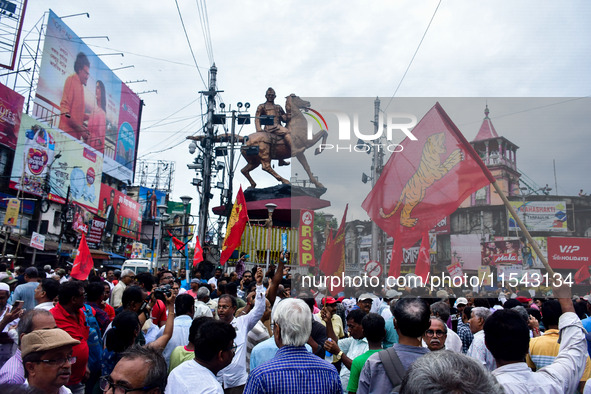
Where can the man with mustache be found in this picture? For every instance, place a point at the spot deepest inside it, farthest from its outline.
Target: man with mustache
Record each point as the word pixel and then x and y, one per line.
pixel 47 358
pixel 436 335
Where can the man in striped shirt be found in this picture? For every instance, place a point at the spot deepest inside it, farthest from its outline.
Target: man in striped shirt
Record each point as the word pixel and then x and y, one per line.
pixel 12 371
pixel 293 369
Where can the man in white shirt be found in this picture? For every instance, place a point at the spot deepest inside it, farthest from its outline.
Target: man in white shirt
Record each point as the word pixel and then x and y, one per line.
pixel 127 278
pixel 234 376
pixel 45 293
pixel 214 351
pixel 478 349
pixel 201 308
pixel 214 280
pixel 507 337
pixel 347 348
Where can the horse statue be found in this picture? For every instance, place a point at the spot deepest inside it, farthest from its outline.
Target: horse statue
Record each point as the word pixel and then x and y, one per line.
pixel 273 147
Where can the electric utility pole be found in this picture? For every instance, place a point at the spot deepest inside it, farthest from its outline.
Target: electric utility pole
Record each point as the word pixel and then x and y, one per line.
pixel 207 154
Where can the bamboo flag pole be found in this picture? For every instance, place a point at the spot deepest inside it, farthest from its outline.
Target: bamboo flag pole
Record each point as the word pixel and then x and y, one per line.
pixel 522 227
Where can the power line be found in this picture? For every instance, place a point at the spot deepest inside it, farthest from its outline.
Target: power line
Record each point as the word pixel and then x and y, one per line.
pixel 413 56
pixel 189 42
pixel 205 29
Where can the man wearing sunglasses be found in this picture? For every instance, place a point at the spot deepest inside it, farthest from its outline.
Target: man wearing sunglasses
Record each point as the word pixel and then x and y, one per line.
pixel 140 370
pixel 47 358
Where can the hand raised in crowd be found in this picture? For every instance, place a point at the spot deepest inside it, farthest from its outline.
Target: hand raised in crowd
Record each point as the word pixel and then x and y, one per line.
pixel 325 315
pixel 259 276
pixel 170 300
pixel 14 314
pixel 562 291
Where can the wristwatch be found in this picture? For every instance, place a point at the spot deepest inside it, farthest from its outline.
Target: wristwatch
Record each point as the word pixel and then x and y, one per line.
pixel 340 354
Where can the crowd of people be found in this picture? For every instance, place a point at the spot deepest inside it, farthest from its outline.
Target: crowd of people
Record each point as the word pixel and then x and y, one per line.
pixel 253 332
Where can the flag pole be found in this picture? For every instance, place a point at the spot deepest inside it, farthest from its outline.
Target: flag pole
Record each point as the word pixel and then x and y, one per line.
pixel 470 150
pixel 522 227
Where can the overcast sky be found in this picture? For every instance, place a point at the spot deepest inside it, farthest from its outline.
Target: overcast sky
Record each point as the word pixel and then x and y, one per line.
pixel 483 50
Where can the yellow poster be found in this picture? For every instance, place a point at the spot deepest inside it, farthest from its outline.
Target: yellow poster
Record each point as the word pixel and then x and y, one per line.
pixel 12 209
pixel 484 275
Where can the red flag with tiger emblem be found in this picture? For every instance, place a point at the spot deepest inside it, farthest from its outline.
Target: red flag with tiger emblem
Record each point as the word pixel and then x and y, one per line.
pixel 425 182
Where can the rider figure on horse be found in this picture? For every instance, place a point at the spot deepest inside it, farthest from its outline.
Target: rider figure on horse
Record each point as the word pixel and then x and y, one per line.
pixel 269 108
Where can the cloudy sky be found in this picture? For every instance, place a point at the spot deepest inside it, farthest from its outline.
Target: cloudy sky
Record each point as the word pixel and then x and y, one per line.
pixel 486 51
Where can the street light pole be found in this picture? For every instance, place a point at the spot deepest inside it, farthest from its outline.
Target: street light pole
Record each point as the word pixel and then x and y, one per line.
pixel 270 208
pixel 161 210
pixel 360 228
pixel 207 156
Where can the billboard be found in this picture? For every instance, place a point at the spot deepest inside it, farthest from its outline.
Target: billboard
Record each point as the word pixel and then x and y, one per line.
pixel 465 249
pixel 122 214
pixel 87 100
pixel 48 160
pixel 569 252
pixel 11 108
pixel 539 215
pixel 530 257
pixel 149 199
pixel 506 251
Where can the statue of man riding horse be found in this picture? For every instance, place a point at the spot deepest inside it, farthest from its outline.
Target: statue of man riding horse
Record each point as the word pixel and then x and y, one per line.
pixel 276 142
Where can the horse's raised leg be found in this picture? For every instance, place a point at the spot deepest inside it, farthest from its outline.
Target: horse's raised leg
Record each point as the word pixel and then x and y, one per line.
pixel 317 136
pixel 246 172
pixel 302 159
pixel 267 167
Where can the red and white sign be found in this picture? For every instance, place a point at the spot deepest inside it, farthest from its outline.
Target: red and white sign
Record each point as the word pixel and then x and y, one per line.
pixel 442 227
pixel 455 270
pixel 505 258
pixel 373 268
pixel 38 241
pixel 569 252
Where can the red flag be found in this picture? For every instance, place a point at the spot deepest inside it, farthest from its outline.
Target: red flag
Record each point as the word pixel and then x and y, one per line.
pixel 423 266
pixel 198 255
pixel 236 225
pixel 83 262
pixel 425 182
pixel 178 244
pixel 582 274
pixel 333 258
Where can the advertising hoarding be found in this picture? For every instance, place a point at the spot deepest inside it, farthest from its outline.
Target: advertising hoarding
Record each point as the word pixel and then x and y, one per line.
pixel 50 160
pixel 149 199
pixel 465 249
pixel 11 109
pixel 506 251
pixel 122 214
pixel 530 257
pixel 539 216
pixel 102 111
pixel 95 234
pixel 569 252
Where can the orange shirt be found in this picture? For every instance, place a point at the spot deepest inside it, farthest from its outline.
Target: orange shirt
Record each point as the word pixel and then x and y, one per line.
pixel 72 103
